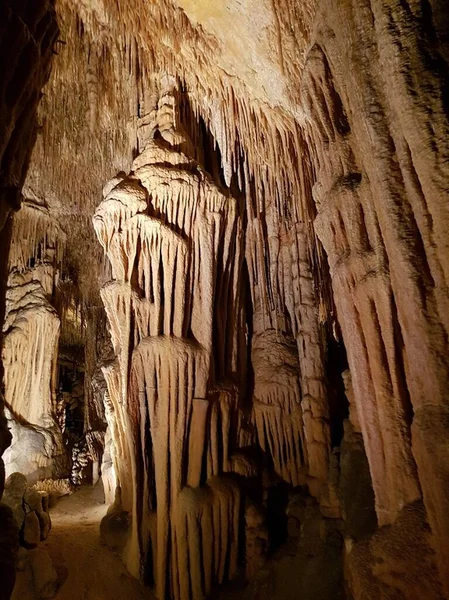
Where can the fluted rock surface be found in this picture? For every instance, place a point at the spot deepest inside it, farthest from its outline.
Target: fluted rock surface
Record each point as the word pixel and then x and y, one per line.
pixel 165 228
pixel 274 281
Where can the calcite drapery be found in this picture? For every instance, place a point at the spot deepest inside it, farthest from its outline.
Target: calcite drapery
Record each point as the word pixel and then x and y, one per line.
pixel 286 309
pixel 175 244
pixel 31 336
pixel 30 345
pixel 277 405
pixel 348 227
pixel 379 174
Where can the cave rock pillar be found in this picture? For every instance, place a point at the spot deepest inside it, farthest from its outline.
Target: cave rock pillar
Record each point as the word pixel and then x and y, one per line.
pixel 173 238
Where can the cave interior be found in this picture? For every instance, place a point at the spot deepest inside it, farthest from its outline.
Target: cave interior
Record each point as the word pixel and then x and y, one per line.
pixel 224 297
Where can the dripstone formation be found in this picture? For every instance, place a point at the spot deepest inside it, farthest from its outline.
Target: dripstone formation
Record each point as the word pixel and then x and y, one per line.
pixel 226 293
pixel 26 42
pixel 168 231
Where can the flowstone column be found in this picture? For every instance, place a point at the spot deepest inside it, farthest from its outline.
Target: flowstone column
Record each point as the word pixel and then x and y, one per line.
pixel 348 227
pixel 30 346
pixel 173 239
pixel 290 404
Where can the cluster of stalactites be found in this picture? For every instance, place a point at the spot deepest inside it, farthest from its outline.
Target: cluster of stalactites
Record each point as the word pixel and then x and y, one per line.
pixel 173 238
pixel 31 332
pixel 37 239
pixel 32 324
pixel 277 413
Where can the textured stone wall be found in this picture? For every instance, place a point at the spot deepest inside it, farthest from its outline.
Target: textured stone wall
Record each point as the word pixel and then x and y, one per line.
pixel 363 178
pixel 377 135
pixel 26 40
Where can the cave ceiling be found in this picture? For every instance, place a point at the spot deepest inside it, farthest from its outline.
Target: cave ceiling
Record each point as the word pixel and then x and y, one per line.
pixel 236 62
pixel 234 59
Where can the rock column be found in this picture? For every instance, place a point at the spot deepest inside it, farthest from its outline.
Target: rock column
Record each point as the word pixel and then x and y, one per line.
pixel 173 239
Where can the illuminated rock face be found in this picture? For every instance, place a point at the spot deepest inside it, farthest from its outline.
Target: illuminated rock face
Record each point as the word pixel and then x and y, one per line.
pixel 277 258
pixel 30 321
pixel 30 346
pixel 345 231
pixel 381 202
pixel 174 240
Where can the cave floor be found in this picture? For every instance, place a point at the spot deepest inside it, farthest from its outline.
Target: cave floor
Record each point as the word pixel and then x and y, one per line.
pixel 86 569
pixel 308 567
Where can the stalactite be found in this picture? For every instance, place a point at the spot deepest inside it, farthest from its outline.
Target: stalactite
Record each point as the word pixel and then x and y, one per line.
pixel 37 237
pixel 277 405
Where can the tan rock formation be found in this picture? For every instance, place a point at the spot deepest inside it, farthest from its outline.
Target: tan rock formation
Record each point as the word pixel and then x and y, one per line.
pixel 379 218
pixel 32 331
pixel 30 344
pixel 165 229
pixel 274 280
pixel 26 48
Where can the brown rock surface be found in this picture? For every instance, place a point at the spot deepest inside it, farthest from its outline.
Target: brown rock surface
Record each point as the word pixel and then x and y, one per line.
pixel 44 573
pixel 31 532
pixel 267 310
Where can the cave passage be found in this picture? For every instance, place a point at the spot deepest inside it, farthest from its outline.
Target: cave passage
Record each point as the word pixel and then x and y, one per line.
pixel 224 300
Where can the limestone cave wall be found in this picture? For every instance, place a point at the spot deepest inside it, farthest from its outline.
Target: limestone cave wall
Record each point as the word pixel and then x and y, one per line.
pixel 379 167
pixel 26 41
